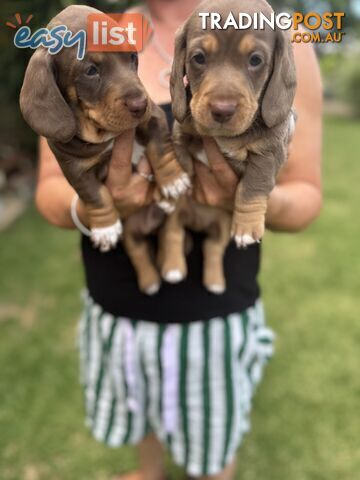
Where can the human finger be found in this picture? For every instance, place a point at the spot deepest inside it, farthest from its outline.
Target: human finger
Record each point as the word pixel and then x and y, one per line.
pixel 202 182
pixel 205 177
pixel 120 168
pixel 210 190
pixel 223 172
pixel 144 169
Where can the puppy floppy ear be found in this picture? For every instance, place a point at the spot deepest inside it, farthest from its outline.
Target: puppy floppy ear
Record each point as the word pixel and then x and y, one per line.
pixel 177 87
pixel 41 102
pixel 280 91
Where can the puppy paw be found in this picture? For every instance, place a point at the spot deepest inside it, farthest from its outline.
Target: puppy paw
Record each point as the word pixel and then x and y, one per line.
pixel 106 238
pixel 173 276
pixel 246 234
pixel 176 187
pixel 243 241
pixel 149 280
pixel 214 279
pixel 216 288
pixel 167 206
pixel 152 289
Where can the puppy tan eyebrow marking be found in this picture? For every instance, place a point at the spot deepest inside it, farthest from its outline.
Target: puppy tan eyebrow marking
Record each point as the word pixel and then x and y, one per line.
pixel 96 56
pixel 210 43
pixel 247 44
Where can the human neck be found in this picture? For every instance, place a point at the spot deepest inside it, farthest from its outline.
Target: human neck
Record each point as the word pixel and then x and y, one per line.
pixel 171 13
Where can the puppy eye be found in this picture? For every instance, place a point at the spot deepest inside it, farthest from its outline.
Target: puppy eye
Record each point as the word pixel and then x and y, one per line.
pixel 92 71
pixel 199 58
pixel 255 60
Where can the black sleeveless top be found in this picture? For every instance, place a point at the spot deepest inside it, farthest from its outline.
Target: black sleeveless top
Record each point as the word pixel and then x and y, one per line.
pixel 111 282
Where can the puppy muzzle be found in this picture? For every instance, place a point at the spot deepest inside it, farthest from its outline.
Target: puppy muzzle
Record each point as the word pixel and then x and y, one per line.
pixel 137 105
pixel 222 111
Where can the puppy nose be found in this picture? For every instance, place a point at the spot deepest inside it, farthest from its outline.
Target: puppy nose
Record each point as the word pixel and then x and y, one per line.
pixel 222 110
pixel 137 105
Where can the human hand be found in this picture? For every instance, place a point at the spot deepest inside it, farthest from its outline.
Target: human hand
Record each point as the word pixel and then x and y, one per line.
pixel 215 185
pixel 130 191
pixel 275 205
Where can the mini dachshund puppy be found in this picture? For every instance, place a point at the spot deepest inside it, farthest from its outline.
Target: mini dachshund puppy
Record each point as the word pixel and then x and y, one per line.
pixel 80 106
pixel 239 90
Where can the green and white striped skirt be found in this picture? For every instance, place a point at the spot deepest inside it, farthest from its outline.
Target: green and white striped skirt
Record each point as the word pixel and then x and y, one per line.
pixel 191 384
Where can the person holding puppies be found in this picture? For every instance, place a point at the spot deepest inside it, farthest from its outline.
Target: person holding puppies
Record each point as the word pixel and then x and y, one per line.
pixel 178 370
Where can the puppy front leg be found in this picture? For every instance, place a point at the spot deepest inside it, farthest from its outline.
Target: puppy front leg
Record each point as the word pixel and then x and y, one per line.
pixel 104 220
pixel 173 181
pixel 171 178
pixel 248 223
pixel 181 142
pixel 105 225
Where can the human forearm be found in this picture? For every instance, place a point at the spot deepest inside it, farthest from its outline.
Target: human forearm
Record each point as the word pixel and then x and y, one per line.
pixel 53 200
pixel 293 206
pixel 54 195
pixel 297 199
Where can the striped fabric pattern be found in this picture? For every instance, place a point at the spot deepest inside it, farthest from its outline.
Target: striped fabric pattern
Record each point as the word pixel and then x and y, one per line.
pixel 191 384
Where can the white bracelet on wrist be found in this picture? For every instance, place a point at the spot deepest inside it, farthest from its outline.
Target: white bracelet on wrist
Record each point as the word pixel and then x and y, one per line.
pixel 75 218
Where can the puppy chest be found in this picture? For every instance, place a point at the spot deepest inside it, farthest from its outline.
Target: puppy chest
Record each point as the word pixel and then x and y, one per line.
pixel 202 157
pixel 196 150
pixel 232 149
pixel 235 156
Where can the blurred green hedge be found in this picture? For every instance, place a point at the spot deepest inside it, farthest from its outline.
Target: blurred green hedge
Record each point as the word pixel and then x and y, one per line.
pixel 350 88
pixel 341 76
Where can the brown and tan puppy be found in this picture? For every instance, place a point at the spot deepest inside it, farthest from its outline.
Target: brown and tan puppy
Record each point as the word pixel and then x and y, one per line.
pixel 80 106
pixel 239 89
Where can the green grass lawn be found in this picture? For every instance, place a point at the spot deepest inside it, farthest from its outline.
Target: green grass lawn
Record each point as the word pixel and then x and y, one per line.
pixel 306 417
